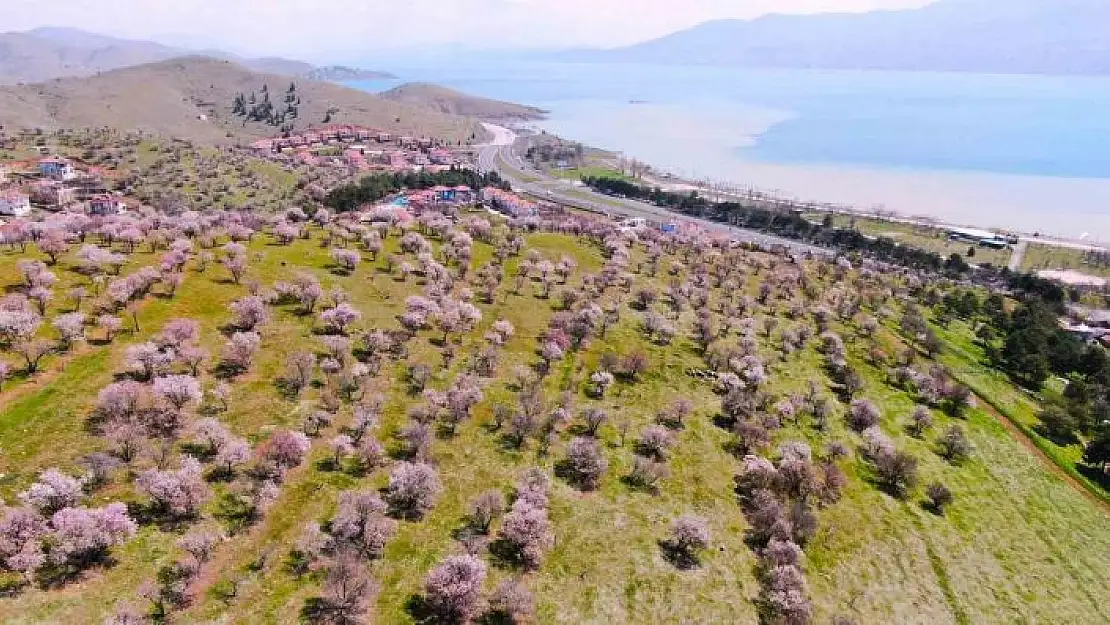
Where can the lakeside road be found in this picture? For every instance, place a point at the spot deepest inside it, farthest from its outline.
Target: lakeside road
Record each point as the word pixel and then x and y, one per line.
pixel 500 155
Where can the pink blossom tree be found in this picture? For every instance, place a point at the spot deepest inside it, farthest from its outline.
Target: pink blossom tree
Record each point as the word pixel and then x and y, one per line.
pixel 178 390
pixel 454 588
pixel 250 313
pixel 178 493
pixel 413 489
pixel 53 491
pixel 339 318
pixel 239 351
pixel 70 327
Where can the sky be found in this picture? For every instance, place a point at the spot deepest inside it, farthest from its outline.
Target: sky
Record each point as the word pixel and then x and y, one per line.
pixel 331 31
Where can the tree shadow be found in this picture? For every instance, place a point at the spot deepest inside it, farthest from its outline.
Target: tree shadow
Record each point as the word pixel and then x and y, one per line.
pixel 421 611
pixel 678 557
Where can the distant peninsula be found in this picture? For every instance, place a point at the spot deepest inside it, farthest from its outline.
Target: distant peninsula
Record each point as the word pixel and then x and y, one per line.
pixel 341 73
pixel 451 102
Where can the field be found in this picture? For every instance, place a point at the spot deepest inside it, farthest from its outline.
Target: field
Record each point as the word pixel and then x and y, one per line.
pixel 922 237
pixel 1019 544
pixel 1042 257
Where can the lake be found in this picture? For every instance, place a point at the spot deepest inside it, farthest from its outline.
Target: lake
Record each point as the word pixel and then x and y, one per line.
pixel 1023 152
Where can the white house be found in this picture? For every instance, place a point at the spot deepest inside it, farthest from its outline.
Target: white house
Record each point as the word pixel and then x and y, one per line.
pixel 14 203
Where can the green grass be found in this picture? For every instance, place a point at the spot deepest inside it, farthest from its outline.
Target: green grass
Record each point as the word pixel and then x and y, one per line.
pixel 594 171
pixel 965 356
pixel 1040 257
pixel 1019 544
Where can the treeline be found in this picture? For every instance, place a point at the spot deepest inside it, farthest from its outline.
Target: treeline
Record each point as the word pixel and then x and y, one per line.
pixel 1030 346
pixel 781 223
pixel 376 187
pixel 264 110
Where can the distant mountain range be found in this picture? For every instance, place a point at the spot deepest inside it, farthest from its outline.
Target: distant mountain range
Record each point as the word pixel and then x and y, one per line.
pixel 48 53
pixel 1065 37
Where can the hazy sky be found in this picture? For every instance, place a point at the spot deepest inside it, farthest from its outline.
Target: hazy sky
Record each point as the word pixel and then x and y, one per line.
pixel 317 30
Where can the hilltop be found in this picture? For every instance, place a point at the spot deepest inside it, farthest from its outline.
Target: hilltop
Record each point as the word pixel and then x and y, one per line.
pixel 193 98
pixel 454 102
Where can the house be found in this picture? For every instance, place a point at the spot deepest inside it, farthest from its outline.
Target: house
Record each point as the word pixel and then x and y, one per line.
pixel 385 137
pixel 57 169
pixel 52 194
pixel 105 204
pixel 463 194
pixel 14 203
pixel 508 203
pixel 4 171
pixel 440 157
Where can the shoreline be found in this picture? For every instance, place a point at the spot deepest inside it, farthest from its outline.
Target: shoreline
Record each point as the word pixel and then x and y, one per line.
pixel 672 179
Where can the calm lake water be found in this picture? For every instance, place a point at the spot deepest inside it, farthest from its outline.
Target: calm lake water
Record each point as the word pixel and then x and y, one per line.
pixel 1024 152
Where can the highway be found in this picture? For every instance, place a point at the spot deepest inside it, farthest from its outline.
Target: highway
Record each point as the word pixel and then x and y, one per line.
pixel 501 156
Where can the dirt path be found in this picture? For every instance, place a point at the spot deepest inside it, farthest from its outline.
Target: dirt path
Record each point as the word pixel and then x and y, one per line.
pixel 1022 438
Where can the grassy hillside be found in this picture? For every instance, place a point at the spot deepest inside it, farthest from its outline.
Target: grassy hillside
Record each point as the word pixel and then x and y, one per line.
pixel 453 102
pixel 192 98
pixel 1018 545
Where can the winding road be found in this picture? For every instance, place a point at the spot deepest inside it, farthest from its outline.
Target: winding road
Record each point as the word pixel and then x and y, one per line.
pixel 500 155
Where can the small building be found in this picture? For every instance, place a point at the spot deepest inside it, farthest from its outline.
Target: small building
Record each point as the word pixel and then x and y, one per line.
pixel 464 194
pixel 14 203
pixel 105 204
pixel 440 157
pixel 52 194
pixel 57 169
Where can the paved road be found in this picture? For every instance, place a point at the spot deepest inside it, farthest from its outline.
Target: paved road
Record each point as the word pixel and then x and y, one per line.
pixel 499 155
pixel 1019 255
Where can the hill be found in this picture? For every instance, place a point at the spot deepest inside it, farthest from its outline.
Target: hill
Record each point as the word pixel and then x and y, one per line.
pixel 47 53
pixel 453 102
pixel 549 385
pixel 193 98
pixel 1025 36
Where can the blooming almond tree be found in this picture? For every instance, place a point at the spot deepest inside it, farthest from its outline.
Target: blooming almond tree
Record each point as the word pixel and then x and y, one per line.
pixel 339 318
pixel 177 390
pixel 454 588
pixel 70 327
pixel 53 491
pixel 177 493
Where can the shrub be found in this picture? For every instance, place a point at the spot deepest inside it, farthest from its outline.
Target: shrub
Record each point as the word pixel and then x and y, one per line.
pixel 485 508
pixel 938 497
pixel 655 442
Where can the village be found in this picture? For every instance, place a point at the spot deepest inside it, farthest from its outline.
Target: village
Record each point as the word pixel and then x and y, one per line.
pixel 364 150
pixel 56 183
